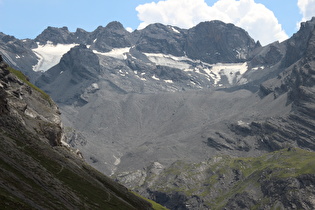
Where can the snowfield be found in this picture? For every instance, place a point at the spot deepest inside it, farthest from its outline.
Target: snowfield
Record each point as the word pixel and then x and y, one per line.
pixel 119 53
pixel 49 55
pixel 232 71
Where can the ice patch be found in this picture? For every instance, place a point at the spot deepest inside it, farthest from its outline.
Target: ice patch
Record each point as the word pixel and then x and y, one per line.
pixel 49 55
pixel 155 78
pixel 119 53
pixel 122 73
pixel 117 160
pixel 258 67
pixel 175 30
pixel 168 60
pixel 95 86
pixel 233 71
pixel 168 81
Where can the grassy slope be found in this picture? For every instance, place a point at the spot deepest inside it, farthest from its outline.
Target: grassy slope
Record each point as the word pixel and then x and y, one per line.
pixel 215 181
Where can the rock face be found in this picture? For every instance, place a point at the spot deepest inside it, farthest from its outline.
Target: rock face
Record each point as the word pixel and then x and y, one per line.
pixel 37 172
pixel 19 54
pixel 217 42
pixel 27 106
pixel 80 76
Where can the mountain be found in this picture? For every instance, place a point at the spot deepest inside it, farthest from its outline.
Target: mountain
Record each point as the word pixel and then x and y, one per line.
pixel 38 170
pixel 19 54
pixel 152 100
pixel 163 94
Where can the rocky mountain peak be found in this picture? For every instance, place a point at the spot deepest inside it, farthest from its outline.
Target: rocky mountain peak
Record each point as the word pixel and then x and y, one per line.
pixel 114 35
pixel 115 25
pixel 298 44
pixel 55 35
pixel 79 73
pixel 159 38
pixel 215 41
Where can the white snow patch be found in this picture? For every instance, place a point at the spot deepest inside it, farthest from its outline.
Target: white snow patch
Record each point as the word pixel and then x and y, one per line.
pixel 61 72
pixel 95 86
pixel 49 55
pixel 94 40
pixel 143 79
pixel 122 73
pixel 119 53
pixel 175 30
pixel 168 60
pixel 17 56
pixel 155 78
pixel 168 81
pixel 258 67
pixel 117 160
pixel 232 71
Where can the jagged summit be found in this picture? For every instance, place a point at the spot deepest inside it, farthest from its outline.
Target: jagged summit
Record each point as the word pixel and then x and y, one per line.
pixel 115 25
pixel 55 35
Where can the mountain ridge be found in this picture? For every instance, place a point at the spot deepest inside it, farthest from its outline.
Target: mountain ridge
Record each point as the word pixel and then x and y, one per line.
pixel 165 94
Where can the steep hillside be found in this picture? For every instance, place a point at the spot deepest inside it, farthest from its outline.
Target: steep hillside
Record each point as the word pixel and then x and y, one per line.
pixel 37 172
pixel 280 180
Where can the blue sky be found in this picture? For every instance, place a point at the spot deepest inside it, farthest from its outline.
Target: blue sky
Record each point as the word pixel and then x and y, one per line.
pixel 28 18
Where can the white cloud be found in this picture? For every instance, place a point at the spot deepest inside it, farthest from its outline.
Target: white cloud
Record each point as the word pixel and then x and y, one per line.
pixel 307 9
pixel 255 18
pixel 129 29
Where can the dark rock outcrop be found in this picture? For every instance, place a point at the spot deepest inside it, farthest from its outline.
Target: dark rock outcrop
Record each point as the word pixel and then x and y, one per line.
pixel 18 54
pixel 55 35
pixel 114 35
pixel 217 42
pixel 158 38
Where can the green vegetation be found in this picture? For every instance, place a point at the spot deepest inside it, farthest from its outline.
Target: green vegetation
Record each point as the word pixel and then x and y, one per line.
pixel 155 205
pixel 55 179
pixel 23 78
pixel 283 163
pixel 221 178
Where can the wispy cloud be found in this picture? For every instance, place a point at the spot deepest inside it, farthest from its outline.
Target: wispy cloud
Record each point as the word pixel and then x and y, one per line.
pixel 307 9
pixel 259 21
